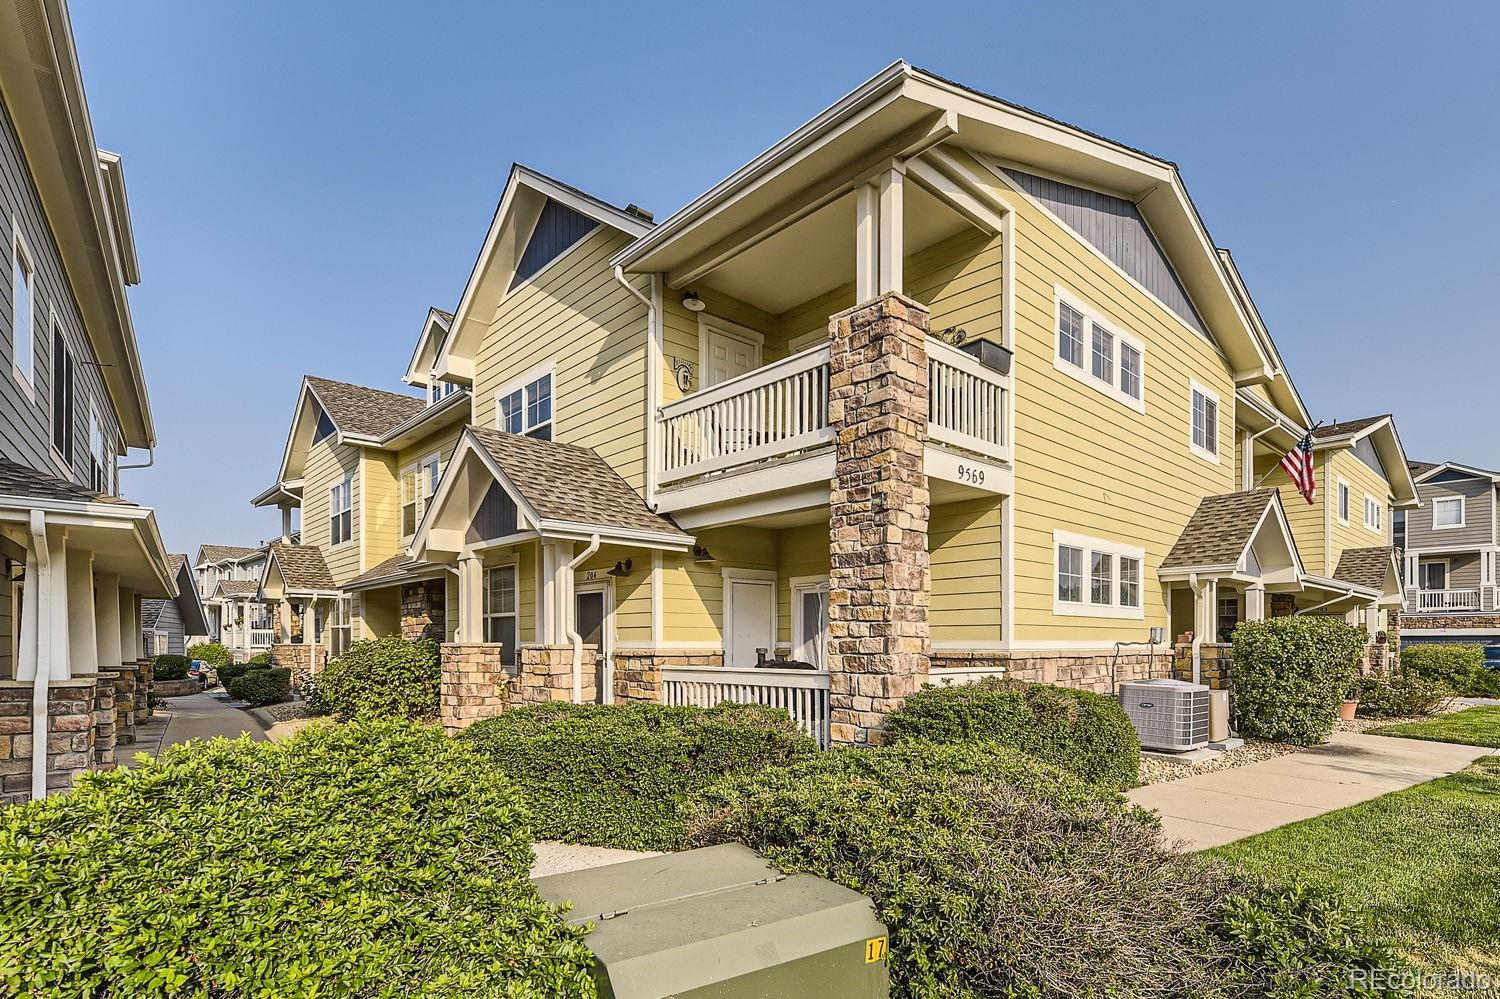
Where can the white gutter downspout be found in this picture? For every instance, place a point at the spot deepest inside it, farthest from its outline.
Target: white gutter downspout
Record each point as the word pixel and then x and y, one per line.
pixel 41 682
pixel 572 618
pixel 1198 591
pixel 653 373
pixel 1247 475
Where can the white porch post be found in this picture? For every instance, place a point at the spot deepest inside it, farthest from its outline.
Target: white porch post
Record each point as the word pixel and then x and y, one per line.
pixel 62 652
pixel 283 623
pixel 1255 602
pixel 286 524
pixel 83 643
pixel 866 243
pixel 130 627
pixel 470 599
pixel 107 620
pixel 1372 619
pixel 892 230
pixel 557 594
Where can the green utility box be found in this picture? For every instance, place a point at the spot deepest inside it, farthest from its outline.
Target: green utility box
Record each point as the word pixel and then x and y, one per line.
pixel 722 923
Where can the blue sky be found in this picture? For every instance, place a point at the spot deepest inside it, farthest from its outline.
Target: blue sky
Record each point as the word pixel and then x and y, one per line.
pixel 306 178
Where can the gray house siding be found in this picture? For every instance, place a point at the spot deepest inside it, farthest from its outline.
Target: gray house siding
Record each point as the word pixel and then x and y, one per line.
pixel 1116 229
pixel 1365 451
pixel 27 418
pixel 1463 569
pixel 169 620
pixel 1478 513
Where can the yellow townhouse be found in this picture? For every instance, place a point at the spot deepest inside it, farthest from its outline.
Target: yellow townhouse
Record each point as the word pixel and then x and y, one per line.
pixel 936 387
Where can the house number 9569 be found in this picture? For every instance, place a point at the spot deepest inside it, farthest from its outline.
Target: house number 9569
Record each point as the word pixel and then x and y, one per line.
pixel 967 474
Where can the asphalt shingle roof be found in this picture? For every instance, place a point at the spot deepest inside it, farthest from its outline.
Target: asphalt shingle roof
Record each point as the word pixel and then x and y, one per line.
pixel 238 587
pixel 1220 529
pixel 1366 567
pixel 151 613
pixel 22 480
pixel 1422 467
pixel 358 409
pixel 302 566
pixel 1347 427
pixel 564 482
pixel 394 568
pixel 223 553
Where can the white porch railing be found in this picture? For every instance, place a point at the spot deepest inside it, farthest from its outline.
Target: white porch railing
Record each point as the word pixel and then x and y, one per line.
pixel 1448 600
pixel 966 402
pixel 766 413
pixel 801 693
pixel 260 638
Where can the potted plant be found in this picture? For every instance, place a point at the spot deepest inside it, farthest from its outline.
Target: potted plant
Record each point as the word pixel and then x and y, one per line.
pixel 1351 702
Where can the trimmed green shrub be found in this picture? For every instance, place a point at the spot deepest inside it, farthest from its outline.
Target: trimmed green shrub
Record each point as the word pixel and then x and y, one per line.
pixel 1460 667
pixel 260 659
pixel 1083 733
pixel 1291 674
pixel 997 874
pixel 621 775
pixel 382 678
pixel 1402 694
pixel 211 653
pixel 261 686
pixel 366 860
pixel 170 667
pixel 230 671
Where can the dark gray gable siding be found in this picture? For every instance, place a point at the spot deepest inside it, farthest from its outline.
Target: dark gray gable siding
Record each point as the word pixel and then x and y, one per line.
pixel 26 421
pixel 1115 228
pixel 495 518
pixel 1454 475
pixel 557 228
pixel 1364 450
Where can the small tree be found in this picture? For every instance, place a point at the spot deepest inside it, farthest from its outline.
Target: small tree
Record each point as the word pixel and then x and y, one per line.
pixel 211 653
pixel 382 678
pixel 1292 673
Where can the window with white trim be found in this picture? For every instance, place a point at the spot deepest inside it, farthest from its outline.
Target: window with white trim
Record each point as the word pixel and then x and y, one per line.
pixel 1373 512
pixel 525 406
pixel 341 511
pixel 1104 354
pixel 1448 511
pixel 1116 360
pixel 1070 324
pixel 438 391
pixel 418 483
pixel 1343 501
pixel 338 634
pixel 500 611
pixel 1205 433
pixel 1130 370
pixel 1113 587
pixel 23 310
pixel 63 401
pixel 1434 575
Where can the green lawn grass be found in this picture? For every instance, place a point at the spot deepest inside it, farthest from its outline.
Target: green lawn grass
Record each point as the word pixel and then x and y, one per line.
pixel 1472 727
pixel 1424 863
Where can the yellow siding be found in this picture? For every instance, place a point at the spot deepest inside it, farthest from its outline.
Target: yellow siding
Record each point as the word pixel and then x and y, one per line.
pixel 1362 480
pixel 965 540
pixel 524 557
pixel 1089 464
pixel 381 514
pixel 1308 521
pixel 800 551
pixel 631 595
pixel 579 317
pixel 327 464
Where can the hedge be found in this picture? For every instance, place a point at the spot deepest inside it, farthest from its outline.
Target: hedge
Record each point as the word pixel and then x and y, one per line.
pixel 170 667
pixel 622 775
pixel 1291 674
pixel 1459 667
pixel 381 678
pixel 211 653
pixel 261 686
pixel 260 659
pixel 1401 694
pixel 1084 733
pixel 999 875
pixel 379 859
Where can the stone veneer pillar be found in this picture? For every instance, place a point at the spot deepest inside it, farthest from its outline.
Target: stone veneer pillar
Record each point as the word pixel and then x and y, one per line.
pixel 104 718
pixel 125 694
pixel 879 571
pixel 546 675
pixel 475 684
pixel 145 685
pixel 423 610
pixel 305 661
pixel 68 742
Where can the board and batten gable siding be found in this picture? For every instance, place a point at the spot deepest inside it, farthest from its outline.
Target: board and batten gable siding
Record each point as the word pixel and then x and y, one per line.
pixel 1085 462
pixel 27 418
pixel 574 314
pixel 1479 513
pixel 327 464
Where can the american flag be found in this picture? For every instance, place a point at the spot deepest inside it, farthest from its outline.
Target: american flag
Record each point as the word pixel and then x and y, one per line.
pixel 1299 465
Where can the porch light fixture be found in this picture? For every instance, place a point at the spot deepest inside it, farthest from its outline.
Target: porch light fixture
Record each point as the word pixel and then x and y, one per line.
pixel 621 568
pixel 693 303
pixel 702 555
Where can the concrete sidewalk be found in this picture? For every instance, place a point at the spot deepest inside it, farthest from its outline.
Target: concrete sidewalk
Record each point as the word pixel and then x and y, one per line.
pixel 1217 808
pixel 196 716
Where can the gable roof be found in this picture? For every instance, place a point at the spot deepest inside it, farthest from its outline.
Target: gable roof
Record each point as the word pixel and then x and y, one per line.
pixel 1347 428
pixel 236 587
pixel 361 411
pixel 397 568
pixel 1372 568
pixel 209 554
pixel 189 603
pixel 1421 468
pixel 301 566
pixel 1381 433
pixel 1221 529
pixel 1431 471
pixel 434 331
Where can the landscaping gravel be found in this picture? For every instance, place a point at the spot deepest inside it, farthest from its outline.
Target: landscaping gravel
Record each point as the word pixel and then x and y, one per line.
pixel 286 711
pixel 1156 770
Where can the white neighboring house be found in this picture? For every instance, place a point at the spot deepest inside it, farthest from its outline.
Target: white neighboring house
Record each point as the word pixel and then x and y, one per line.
pixel 228 581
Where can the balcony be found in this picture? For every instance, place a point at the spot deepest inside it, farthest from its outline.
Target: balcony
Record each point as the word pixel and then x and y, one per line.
pixel 779 412
pixel 1449 601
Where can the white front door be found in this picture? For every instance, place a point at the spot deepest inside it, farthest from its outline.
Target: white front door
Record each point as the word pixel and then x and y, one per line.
pixel 749 619
pixel 728 354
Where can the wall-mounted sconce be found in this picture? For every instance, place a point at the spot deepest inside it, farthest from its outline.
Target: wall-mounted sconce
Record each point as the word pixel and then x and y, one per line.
pixel 693 303
pixel 702 555
pixel 622 568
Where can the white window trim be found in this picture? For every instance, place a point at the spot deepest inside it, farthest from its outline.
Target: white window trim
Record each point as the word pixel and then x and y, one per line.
pixel 422 498
pixel 1090 547
pixel 513 562
pixel 1085 373
pixel 1371 503
pixel 1198 388
pixel 20 248
pixel 734 575
pixel 58 458
pixel 1424 561
pixel 346 483
pixel 798 585
pixel 547 369
pixel 1463 512
pixel 1342 500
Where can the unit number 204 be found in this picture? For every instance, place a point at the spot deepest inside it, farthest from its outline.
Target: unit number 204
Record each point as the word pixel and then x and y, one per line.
pixel 967 473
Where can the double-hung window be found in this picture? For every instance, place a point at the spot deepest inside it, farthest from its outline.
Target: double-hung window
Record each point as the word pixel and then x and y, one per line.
pixel 341 511
pixel 338 636
pixel 99 463
pixel 23 311
pixel 1116 363
pixel 1205 417
pixel 1113 577
pixel 500 611
pixel 1373 512
pixel 1343 502
pixel 62 397
pixel 525 406
pixel 1448 511
pixel 438 391
pixel 418 483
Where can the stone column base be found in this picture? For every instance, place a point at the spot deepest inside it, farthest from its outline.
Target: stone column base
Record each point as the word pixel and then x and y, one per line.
pixel 638 674
pixel 546 675
pixel 1214 665
pixel 1089 671
pixel 69 740
pixel 423 610
pixel 145 684
pixel 305 662
pixel 104 718
pixel 475 684
pixel 125 694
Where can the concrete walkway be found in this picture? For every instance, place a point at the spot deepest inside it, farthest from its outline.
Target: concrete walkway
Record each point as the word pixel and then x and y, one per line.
pixel 1216 808
pixel 197 716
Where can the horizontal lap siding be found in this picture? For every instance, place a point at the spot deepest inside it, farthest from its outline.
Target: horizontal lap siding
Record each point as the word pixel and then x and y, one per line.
pixel 632 593
pixel 965 542
pixel 1463 569
pixel 577 315
pixel 1086 463
pixel 1308 521
pixel 382 491
pixel 1478 515
pixel 1362 480
pixel 800 551
pixel 327 464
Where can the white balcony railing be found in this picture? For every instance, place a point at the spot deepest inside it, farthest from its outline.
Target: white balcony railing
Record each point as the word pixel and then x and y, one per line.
pixel 1448 600
pixel 801 693
pixel 782 408
pixel 260 638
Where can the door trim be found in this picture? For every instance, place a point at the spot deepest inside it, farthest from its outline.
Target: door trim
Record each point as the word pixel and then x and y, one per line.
pixel 800 585
pixel 605 668
pixel 708 325
pixel 731 576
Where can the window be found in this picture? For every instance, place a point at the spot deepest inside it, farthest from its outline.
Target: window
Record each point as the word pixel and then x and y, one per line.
pixel 526 407
pixel 1434 575
pixel 1398 529
pixel 1104 354
pixel 341 511
pixel 1448 512
pixel 324 427
pixel 1373 510
pixel 1205 439
pixel 338 638
pixel 62 397
pixel 438 391
pixel 500 611
pixel 1069 334
pixel 23 310
pixel 1114 577
pixel 418 483
pixel 99 464
pixel 1229 617
pixel 1130 371
pixel 1344 501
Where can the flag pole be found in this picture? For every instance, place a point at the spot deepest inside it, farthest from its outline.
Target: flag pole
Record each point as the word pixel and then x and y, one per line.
pixel 1310 431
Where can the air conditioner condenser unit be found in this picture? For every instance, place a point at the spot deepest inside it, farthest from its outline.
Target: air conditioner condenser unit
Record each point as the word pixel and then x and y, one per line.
pixel 1168 715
